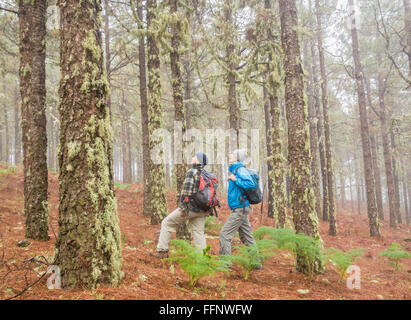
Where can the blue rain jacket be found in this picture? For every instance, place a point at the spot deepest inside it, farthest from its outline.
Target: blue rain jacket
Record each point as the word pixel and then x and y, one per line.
pixel 243 180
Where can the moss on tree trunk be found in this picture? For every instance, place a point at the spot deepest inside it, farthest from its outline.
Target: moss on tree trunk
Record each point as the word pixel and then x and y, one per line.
pixel 88 248
pixel 277 163
pixel 32 18
pixel 156 179
pixel 143 108
pixel 179 33
pixel 299 157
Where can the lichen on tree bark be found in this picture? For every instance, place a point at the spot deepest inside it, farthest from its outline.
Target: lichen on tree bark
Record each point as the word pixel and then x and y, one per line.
pixel 32 72
pixel 301 192
pixel 88 248
pixel 156 178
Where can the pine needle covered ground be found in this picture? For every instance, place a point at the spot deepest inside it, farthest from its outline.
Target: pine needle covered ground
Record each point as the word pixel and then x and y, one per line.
pixel 146 278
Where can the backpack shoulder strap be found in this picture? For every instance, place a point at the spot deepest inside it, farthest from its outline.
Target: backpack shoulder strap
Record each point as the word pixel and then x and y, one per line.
pixel 236 169
pixel 242 191
pixel 199 171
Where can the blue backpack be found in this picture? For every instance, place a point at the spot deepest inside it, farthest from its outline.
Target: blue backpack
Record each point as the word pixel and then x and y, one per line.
pixel 254 195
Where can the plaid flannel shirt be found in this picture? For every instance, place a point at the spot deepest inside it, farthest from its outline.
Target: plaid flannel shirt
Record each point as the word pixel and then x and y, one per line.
pixel 190 186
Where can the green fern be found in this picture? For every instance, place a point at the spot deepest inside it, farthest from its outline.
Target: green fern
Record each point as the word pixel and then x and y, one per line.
pixel 309 251
pixel 395 253
pixel 121 186
pixel 262 232
pixel 342 260
pixel 308 248
pixel 195 263
pixel 252 257
pixel 284 238
pixel 10 169
pixel 212 225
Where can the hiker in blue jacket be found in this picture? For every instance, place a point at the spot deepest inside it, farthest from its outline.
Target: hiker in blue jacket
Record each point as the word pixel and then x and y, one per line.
pixel 239 179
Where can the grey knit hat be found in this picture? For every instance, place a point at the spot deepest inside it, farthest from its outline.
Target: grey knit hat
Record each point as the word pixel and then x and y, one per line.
pixel 240 154
pixel 202 158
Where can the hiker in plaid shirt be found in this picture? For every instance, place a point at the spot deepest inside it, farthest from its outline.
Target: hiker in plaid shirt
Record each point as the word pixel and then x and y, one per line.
pixel 185 211
pixel 190 186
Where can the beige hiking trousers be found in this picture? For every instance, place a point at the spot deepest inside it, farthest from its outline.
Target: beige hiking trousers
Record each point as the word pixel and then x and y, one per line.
pixel 170 223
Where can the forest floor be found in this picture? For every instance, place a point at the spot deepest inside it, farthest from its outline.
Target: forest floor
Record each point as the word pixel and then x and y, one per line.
pixel 148 278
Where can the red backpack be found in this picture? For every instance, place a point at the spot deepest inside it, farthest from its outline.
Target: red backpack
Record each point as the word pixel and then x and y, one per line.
pixel 206 198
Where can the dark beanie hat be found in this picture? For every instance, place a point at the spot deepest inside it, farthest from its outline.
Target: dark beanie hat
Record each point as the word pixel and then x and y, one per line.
pixel 202 158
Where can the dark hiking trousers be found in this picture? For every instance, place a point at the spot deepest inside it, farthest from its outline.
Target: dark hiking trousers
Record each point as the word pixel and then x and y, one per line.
pixel 237 221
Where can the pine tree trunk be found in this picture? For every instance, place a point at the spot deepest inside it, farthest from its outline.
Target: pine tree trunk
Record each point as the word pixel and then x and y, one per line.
pixel 299 157
pixel 177 85
pixel 6 131
pixel 167 175
pixel 56 143
pixel 126 150
pixel 377 175
pixel 285 152
pixel 404 192
pixel 364 187
pixel 107 48
pixel 386 151
pixel 342 180
pixel 396 182
pixel 32 73
pixel 320 135
pixel 144 111
pixel 187 93
pixel 267 118
pixel 125 142
pixel 327 135
pixel 108 70
pixel 53 147
pixel 358 185
pixel 88 249
pixel 50 152
pixel 139 170
pixel 129 153
pixel 158 203
pixel 1 140
pixel 313 105
pixel 268 138
pixel 231 79
pixel 408 179
pixel 351 196
pixel 407 26
pixel 374 156
pixel 17 139
pixel 276 174
pixel 323 165
pixel 183 231
pixel 365 136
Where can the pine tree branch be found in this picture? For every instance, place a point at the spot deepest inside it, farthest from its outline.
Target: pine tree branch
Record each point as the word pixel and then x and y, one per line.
pixel 9 10
pixel 386 37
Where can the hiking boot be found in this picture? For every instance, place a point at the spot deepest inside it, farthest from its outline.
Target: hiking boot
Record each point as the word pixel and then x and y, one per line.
pixel 159 254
